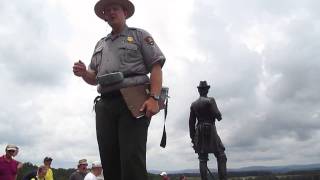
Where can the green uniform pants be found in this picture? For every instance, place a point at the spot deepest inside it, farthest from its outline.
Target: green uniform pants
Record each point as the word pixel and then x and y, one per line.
pixel 122 140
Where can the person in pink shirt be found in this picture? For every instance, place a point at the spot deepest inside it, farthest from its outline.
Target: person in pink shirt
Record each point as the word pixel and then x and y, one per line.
pixel 8 166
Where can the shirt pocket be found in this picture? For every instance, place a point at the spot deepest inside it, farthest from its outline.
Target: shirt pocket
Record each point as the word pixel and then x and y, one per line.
pixel 130 53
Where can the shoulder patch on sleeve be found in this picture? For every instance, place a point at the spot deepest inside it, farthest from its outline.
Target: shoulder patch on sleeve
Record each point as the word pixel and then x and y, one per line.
pixel 99 46
pixel 149 40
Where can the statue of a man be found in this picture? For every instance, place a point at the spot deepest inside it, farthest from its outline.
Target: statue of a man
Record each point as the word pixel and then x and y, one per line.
pixel 203 133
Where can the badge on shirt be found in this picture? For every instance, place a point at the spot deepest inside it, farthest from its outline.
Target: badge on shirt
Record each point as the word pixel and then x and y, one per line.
pixel 130 39
pixel 149 40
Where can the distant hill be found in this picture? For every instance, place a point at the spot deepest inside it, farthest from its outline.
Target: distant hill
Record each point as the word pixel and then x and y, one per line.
pixel 273 169
pixel 279 169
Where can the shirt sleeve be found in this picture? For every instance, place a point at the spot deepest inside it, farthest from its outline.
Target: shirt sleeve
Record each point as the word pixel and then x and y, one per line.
pixel 150 51
pixel 96 56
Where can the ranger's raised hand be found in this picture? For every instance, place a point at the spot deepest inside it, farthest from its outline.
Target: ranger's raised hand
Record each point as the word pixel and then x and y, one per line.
pixel 79 68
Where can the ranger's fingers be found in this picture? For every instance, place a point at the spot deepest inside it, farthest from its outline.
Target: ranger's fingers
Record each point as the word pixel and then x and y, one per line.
pixel 79 66
pixel 143 107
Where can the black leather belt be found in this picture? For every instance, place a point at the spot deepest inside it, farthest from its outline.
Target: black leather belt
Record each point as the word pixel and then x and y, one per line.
pixel 132 75
pixel 205 123
pixel 111 94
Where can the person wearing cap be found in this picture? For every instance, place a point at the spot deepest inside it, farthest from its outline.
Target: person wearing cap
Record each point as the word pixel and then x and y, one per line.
pixel 81 171
pixel 164 176
pixel 38 174
pixel 204 137
pixel 125 57
pixel 9 166
pixel 96 170
pixel 47 163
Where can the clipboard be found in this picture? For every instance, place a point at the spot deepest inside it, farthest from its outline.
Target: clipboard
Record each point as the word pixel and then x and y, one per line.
pixel 134 97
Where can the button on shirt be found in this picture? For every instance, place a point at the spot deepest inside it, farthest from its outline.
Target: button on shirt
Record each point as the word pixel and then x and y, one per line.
pixel 132 52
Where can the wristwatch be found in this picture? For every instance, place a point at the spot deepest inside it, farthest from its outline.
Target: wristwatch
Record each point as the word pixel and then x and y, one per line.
pixel 155 97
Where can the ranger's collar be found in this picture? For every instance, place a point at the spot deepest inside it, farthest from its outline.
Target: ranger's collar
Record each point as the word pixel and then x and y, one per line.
pixel 124 32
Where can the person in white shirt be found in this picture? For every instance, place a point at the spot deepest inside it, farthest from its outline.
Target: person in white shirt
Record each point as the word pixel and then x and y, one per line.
pixel 96 170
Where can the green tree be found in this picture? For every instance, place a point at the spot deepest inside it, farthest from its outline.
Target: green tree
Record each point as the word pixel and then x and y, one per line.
pixel 26 168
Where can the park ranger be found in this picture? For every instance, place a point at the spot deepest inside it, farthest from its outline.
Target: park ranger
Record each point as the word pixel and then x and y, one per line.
pixel 203 133
pixel 122 59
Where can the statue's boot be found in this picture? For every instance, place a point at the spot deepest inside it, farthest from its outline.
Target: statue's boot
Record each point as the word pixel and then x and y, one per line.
pixel 203 169
pixel 222 167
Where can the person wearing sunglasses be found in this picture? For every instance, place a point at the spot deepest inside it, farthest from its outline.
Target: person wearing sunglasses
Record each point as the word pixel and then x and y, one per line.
pixel 9 166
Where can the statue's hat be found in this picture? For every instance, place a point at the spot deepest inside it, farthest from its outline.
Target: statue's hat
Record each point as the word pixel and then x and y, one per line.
pixel 203 85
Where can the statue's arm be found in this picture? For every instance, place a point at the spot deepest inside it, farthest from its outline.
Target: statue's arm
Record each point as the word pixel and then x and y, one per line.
pixel 192 124
pixel 216 109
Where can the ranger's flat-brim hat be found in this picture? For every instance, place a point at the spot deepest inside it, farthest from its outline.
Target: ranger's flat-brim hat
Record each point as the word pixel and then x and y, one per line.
pixel 203 85
pixel 100 6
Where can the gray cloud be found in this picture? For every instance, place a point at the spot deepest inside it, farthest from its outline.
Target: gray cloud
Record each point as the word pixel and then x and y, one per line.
pixel 28 51
pixel 268 98
pixel 33 65
pixel 263 97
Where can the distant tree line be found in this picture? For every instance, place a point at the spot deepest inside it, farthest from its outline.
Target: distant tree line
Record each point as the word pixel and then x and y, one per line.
pixel 63 174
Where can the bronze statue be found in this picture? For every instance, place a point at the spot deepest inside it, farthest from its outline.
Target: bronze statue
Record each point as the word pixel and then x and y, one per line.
pixel 203 133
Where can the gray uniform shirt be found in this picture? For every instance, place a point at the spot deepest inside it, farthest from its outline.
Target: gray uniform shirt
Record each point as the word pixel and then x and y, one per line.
pixel 132 52
pixel 77 175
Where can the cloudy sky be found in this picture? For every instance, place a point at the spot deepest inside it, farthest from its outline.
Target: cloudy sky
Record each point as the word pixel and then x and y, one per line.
pixel 261 58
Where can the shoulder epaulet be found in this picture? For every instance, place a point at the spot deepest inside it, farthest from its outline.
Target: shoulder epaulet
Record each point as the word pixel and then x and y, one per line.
pixel 132 28
pixel 139 30
pixel 102 39
pixel 99 45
